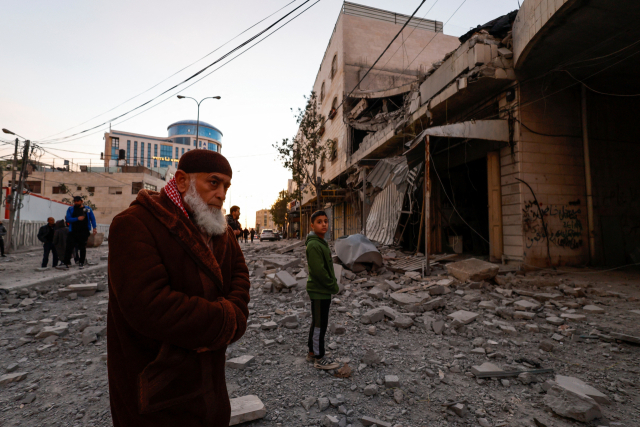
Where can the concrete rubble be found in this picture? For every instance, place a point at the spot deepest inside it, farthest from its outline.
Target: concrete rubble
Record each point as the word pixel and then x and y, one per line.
pixel 418 349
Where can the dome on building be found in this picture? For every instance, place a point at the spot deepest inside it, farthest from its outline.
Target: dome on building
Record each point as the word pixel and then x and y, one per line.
pixel 188 127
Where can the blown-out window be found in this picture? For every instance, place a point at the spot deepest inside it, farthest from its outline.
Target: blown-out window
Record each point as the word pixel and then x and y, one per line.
pixel 334 66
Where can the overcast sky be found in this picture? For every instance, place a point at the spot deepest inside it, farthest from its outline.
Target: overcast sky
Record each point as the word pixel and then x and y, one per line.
pixel 65 62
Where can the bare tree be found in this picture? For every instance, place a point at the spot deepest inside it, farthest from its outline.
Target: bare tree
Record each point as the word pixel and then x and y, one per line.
pixel 302 153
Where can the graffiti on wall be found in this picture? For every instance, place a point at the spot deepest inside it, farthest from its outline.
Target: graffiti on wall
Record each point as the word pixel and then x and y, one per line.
pixel 563 225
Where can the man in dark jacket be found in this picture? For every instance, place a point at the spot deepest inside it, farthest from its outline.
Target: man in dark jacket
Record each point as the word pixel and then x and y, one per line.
pixel 232 220
pixel 178 295
pixel 253 233
pixel 245 233
pixel 60 237
pixel 45 235
pixel 81 221
pixel 3 232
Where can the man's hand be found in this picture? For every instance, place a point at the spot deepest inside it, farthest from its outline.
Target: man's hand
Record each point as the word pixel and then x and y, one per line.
pixel 81 218
pixel 95 231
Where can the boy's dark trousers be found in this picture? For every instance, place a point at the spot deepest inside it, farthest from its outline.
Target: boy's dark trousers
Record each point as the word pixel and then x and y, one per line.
pixel 1 246
pixel 48 247
pixel 319 323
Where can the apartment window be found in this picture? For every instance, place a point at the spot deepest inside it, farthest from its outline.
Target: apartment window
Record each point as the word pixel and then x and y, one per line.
pixel 78 188
pixel 34 186
pixel 91 189
pixel 334 108
pixel 135 153
pixel 195 143
pixel 333 150
pixel 334 66
pixel 177 156
pixel 128 152
pixel 183 151
pixel 56 190
pixel 183 140
pixel 212 146
pixel 150 187
pixel 148 154
pixel 265 220
pixel 115 145
pixel 136 187
pixel 142 153
pixel 115 190
pixel 155 154
pixel 322 93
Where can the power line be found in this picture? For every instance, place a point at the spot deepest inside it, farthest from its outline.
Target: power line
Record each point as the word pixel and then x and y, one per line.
pixel 189 78
pixel 177 72
pixel 206 75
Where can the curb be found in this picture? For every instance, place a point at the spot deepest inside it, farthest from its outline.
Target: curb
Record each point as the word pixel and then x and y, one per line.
pixel 52 280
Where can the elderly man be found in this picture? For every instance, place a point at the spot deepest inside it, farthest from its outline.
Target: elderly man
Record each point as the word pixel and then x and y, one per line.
pixel 178 295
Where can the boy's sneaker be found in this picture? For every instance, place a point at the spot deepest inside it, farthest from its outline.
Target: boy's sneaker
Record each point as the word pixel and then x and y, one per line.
pixel 81 266
pixel 311 358
pixel 62 267
pixel 326 364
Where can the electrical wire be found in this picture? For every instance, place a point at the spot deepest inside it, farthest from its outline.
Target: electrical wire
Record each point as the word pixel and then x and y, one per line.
pixel 177 72
pixel 597 91
pixel 193 76
pixel 206 75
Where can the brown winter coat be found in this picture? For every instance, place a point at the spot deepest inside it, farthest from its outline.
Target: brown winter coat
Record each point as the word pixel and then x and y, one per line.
pixel 174 306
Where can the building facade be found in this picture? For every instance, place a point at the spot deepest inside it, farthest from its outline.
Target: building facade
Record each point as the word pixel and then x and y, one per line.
pixel 157 152
pixel 519 146
pixel 264 220
pixel 110 190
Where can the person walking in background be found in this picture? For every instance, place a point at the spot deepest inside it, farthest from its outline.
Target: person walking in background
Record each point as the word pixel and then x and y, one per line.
pixel 245 233
pixel 60 238
pixel 3 232
pixel 253 233
pixel 81 221
pixel 232 220
pixel 45 235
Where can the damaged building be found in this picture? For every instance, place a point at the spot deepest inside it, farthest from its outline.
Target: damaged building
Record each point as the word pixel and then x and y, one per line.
pixel 526 125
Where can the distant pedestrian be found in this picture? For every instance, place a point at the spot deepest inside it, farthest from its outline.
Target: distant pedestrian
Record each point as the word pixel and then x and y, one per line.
pixel 321 284
pixel 232 220
pixel 245 233
pixel 81 221
pixel 253 233
pixel 60 238
pixel 3 232
pixel 45 235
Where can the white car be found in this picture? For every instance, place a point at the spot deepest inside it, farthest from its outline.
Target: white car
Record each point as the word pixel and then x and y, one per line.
pixel 268 234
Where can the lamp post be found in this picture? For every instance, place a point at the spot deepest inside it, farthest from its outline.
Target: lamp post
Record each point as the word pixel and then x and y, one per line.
pixel 198 121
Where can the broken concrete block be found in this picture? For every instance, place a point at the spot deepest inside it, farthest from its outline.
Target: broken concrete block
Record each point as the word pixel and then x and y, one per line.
pixel 371 358
pixel 546 345
pixel 578 386
pixel 408 299
pixel 83 290
pixel 337 329
pixel 572 405
pixel 246 408
pixel 371 390
pixel 330 421
pixel 376 293
pixel 472 269
pixel 487 305
pixel 573 317
pixel 434 304
pixel 625 337
pixel 323 403
pixel 459 409
pixel 391 381
pixel 438 326
pixel 484 368
pixel 13 378
pixel 403 322
pixel 554 320
pixel 463 316
pixel 308 402
pixel 507 53
pixel 369 421
pixel 240 362
pixel 59 329
pixel 286 279
pixel 508 330
pixel 269 326
pixel 527 315
pixel 593 309
pixel 525 305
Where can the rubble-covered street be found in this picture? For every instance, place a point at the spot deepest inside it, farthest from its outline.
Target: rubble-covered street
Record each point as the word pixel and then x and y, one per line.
pixel 414 352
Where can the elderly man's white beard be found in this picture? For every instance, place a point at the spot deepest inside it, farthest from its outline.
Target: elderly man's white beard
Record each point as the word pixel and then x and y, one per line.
pixel 209 219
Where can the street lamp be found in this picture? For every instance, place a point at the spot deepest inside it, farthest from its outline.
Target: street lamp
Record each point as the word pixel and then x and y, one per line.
pixel 12 133
pixel 198 121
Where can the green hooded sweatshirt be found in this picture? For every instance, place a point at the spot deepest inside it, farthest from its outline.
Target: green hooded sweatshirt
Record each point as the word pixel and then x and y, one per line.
pixel 321 283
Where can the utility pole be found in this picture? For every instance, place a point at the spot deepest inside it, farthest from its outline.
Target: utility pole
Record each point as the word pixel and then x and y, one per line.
pixel 18 197
pixel 12 210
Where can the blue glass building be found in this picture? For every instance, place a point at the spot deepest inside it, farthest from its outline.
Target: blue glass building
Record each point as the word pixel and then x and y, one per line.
pixel 167 151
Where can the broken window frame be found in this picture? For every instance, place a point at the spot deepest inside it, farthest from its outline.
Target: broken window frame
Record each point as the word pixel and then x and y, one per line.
pixel 334 66
pixel 322 93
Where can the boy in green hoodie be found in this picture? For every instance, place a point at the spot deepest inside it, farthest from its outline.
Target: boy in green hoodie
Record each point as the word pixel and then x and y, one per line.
pixel 321 284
